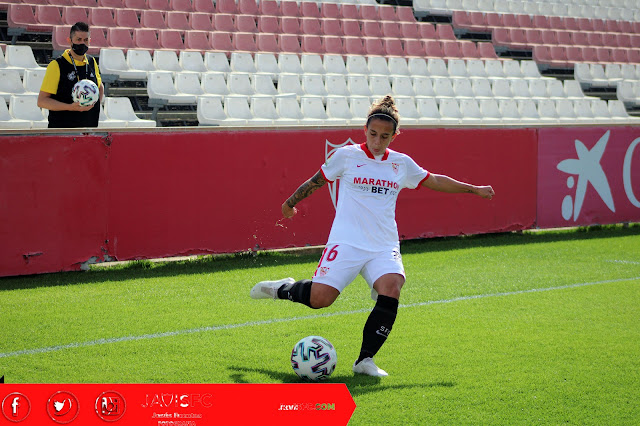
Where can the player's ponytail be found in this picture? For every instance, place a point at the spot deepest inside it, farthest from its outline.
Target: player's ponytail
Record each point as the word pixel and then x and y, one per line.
pixel 385 109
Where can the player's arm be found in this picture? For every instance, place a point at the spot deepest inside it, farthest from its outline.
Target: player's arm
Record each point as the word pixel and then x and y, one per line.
pixel 444 183
pixel 306 189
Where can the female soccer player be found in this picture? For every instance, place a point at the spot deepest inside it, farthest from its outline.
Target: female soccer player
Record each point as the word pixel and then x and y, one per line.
pixel 364 235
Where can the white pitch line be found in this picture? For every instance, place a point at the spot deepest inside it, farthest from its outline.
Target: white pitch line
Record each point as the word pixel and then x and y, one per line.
pixel 290 319
pixel 629 262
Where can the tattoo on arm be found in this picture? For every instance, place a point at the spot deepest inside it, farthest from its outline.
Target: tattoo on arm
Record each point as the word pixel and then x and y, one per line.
pixel 306 189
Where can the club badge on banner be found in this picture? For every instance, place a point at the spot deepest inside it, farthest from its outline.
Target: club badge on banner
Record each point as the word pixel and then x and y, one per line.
pixel 175 404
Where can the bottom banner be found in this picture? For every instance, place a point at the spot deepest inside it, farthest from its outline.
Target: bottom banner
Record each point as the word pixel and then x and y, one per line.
pixel 176 404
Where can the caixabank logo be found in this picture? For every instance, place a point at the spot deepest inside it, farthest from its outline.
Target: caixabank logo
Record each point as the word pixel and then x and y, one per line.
pixel 588 177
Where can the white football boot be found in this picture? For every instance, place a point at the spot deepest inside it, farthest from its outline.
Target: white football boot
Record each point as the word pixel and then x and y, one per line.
pixel 269 289
pixel 368 367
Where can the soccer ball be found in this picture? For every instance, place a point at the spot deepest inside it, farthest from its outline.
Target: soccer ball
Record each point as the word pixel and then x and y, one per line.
pixel 314 358
pixel 85 92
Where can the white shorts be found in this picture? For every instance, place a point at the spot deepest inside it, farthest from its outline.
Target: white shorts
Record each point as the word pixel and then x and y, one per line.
pixel 340 264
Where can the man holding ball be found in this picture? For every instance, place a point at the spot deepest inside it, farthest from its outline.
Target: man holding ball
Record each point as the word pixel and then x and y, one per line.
pixel 62 74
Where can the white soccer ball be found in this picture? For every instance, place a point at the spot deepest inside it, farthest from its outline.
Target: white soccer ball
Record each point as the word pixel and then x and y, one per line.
pixel 85 92
pixel 314 358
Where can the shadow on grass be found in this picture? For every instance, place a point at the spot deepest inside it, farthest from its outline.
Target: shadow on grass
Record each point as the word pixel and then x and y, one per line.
pixel 145 269
pixel 357 384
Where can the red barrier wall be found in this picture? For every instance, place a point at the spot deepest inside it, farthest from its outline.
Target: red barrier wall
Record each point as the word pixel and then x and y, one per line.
pixel 588 176
pixel 144 195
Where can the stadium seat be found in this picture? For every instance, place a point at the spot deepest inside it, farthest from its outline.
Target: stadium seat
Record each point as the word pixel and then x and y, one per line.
pixel 378 65
pixel 312 44
pixel 162 5
pixel 408 111
pixel 501 89
pixel 32 80
pixel 263 108
pixel 482 88
pixel 336 85
pixel 355 45
pixel 181 6
pixel 267 63
pixel 490 111
pixel 8 122
pixel 520 89
pixel 309 9
pixel 25 107
pixel 135 4
pixel 268 8
pixel 291 63
pixel 290 84
pixel 338 110
pixel 628 92
pixel 200 21
pixel 153 19
pixel 450 110
pixel 289 108
pixel 239 83
pixel 582 108
pixel 226 6
pixel 126 18
pixel 548 112
pixel 10 84
pixel 509 110
pixel 334 64
pixel 146 38
pixel 21 57
pixel 398 66
pixel 242 62
pixel 170 39
pixel 247 7
pixel 178 21
pixel 437 67
pixel 188 83
pixel 289 43
pixel 358 85
pixel 457 68
pixel 333 45
pixel 221 42
pixel 262 84
pixel 312 84
pixel 359 108
pixel 160 85
pixel 197 40
pixel 166 60
pixel 210 112
pixel 113 62
pixel 402 86
pixel 600 110
pixel 565 110
pixel 313 110
pixel 538 89
pixel 619 112
pixel 462 88
pixel 351 28
pixel 48 15
pixel 216 62
pixel 268 25
pixel 214 83
pixel 223 22
pixel 244 42
pixel 23 16
pixel 380 85
pixel 311 63
pixel 101 17
pixel 422 87
pixel 140 59
pixel 120 38
pixel 471 113
pixel 430 113
pixel 192 61
pixel 246 23
pixel 417 66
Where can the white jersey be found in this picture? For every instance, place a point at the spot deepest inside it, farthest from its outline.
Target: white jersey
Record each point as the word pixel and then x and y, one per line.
pixel 366 212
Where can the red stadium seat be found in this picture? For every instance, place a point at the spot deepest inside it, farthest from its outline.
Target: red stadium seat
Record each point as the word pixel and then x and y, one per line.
pixel 349 11
pixel 153 19
pixel 405 14
pixel 533 37
pixel 127 18
pixel 145 38
pixel 477 22
pixel 178 21
pixel 427 31
pixel 101 17
pixel 98 40
pixel 309 9
pixel 610 39
pixel 312 43
pixel 585 24
pixel 289 8
pixel 171 40
pixel 248 7
pixel 203 6
pixel 226 6
pixel 574 54
pixel 565 38
pixel 330 26
pixel 393 47
pixel 111 4
pixel 135 4
pixel 571 24
pixel 414 47
pixel 524 21
pixel 246 23
pixel 200 21
pixel 181 6
pixel 611 26
pixel 48 15
pixel 268 8
pixel 593 39
pixel 540 22
pixel 509 20
pixel 598 25
pixel 468 49
pixel 557 22
pixel 633 55
pixel 623 40
pixel 409 30
pixel 224 22
pixel 368 12
pixel 245 42
pixel 487 51
pixel 371 29
pixel 494 20
pixel 433 49
pixel 330 10
pixel 351 28
pixel 387 13
pixel 289 43
pixel 59 36
pixel 120 38
pixel 372 47
pixel 603 54
pixel 589 54
pixel 549 37
pixel 559 56
pixel 221 42
pixel 445 32
pixel 619 55
pixel 501 39
pixel 635 40
pixel 626 27
pixel 310 26
pixel 450 49
pixel 267 42
pixel 85 3
pixel 290 25
pixel 268 24
pixel 72 14
pixel 333 45
pixel 162 5
pixel 197 40
pixel 354 46
pixel 391 29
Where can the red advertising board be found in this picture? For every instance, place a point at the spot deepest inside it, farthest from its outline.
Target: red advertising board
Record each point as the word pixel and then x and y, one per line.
pixel 588 176
pixel 175 404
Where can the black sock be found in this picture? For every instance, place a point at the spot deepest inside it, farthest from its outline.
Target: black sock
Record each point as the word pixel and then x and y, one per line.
pixel 299 292
pixel 378 326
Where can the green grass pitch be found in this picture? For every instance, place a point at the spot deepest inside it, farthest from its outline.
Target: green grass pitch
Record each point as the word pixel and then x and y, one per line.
pixel 517 328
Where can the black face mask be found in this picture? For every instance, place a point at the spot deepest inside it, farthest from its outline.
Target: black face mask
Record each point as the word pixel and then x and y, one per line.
pixel 79 49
